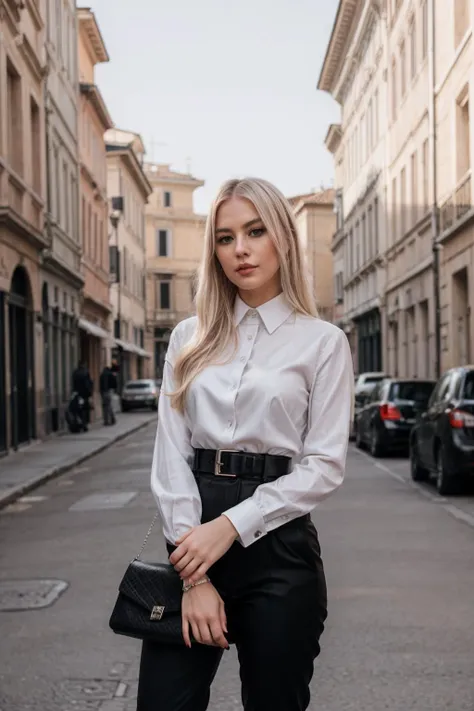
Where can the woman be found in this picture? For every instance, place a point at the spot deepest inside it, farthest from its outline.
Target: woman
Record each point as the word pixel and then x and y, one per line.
pixel 251 437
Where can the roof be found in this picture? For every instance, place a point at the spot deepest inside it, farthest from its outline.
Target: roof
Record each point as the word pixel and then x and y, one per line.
pixel 323 197
pixel 337 43
pixel 162 173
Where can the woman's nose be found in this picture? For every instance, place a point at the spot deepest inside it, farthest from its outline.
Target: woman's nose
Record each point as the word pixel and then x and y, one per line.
pixel 241 246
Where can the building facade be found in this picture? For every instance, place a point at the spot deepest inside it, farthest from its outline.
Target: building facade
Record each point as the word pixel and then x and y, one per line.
pixel 410 349
pixel 61 277
pixel 22 206
pixel 174 242
pixel 420 170
pixel 353 73
pixel 454 86
pixel 316 221
pixel 94 120
pixel 128 190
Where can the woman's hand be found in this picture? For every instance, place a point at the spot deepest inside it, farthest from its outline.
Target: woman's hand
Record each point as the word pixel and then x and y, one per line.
pixel 203 609
pixel 201 547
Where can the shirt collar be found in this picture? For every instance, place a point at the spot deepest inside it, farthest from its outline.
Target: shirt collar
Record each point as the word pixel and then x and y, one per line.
pixel 273 313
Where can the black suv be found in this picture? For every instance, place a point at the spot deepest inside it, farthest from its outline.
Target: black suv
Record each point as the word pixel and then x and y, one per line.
pixel 442 440
pixel 385 420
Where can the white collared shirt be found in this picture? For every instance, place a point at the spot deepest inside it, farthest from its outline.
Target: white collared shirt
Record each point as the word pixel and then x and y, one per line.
pixel 287 390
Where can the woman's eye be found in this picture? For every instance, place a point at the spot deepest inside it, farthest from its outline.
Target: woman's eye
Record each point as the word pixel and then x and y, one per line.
pixel 257 232
pixel 226 239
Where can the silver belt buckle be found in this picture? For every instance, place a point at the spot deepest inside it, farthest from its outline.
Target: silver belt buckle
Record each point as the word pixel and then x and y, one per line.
pixel 218 463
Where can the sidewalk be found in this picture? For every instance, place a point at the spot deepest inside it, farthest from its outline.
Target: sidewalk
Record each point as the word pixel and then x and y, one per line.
pixel 25 470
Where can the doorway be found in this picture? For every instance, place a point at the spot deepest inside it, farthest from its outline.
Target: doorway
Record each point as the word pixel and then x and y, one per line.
pixel 20 322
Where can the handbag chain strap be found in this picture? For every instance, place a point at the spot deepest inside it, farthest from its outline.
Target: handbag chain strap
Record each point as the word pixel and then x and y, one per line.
pixel 147 537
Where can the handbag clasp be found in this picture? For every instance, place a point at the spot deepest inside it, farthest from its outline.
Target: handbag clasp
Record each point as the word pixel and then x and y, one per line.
pixel 157 612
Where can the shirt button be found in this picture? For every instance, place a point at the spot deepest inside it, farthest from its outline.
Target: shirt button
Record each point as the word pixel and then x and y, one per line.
pixel 250 338
pixel 229 424
pixel 257 534
pixel 242 359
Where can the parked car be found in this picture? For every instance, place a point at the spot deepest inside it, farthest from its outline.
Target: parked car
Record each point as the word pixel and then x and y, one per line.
pixel 363 386
pixel 140 393
pixel 442 440
pixel 385 421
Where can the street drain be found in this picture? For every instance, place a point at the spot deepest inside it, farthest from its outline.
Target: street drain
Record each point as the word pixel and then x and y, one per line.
pixel 17 595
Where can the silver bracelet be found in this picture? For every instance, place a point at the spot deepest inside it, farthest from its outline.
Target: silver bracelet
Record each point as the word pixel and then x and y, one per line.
pixel 193 585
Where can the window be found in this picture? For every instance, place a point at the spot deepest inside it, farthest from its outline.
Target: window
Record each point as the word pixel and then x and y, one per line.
pixel 424 161
pixel 125 266
pixel 463 147
pixel 376 226
pixel 403 200
pixel 14 119
pixel 403 68
pixel 412 34
pixel 370 233
pixel 114 264
pixel 66 197
pixel 163 293
pixel 394 89
pixel 414 188
pixel 424 29
pixel 35 146
pixel 167 199
pixel 163 243
pixel 394 210
pixel 461 20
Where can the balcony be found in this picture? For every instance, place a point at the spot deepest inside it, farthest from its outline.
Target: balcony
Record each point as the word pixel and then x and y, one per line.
pixel 458 204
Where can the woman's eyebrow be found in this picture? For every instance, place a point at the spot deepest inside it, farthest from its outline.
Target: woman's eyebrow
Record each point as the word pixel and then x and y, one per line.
pixel 246 226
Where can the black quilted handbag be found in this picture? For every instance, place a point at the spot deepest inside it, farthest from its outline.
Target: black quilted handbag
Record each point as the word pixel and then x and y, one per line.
pixel 148 605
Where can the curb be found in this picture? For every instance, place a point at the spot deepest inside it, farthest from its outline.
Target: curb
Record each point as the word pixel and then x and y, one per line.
pixel 54 472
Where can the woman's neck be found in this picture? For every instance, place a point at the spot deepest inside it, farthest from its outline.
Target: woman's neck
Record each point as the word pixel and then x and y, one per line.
pixel 258 297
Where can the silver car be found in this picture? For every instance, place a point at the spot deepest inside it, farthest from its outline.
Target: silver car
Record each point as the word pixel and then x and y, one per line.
pixel 140 393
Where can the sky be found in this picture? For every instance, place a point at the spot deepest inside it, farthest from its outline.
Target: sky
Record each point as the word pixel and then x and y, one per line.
pixel 222 89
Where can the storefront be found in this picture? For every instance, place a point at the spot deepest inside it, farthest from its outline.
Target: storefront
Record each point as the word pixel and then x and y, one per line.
pixel 94 351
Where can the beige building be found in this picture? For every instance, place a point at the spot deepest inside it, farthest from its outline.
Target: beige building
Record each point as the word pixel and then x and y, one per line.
pixel 316 222
pixel 416 59
pixel 61 278
pixel 454 86
pixel 94 120
pixel 22 206
pixel 128 191
pixel 353 73
pixel 410 347
pixel 174 243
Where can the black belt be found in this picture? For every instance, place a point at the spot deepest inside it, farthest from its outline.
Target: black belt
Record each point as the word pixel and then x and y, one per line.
pixel 232 463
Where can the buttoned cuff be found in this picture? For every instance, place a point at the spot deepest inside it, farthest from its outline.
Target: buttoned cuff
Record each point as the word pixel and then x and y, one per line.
pixel 248 521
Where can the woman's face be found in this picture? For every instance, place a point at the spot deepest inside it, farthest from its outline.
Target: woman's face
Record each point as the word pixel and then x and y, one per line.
pixel 246 252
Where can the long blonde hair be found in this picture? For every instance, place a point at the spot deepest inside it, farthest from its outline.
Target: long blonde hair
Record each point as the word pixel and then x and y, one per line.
pixel 215 294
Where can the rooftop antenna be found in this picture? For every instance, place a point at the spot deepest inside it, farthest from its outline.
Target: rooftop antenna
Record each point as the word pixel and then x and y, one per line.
pixel 154 144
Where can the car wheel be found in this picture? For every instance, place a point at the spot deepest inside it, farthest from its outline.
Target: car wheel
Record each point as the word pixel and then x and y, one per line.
pixel 154 407
pixel 123 407
pixel 418 473
pixel 358 439
pixel 376 448
pixel 446 484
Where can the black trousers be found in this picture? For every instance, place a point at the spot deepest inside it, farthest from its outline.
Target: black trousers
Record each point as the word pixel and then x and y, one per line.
pixel 276 605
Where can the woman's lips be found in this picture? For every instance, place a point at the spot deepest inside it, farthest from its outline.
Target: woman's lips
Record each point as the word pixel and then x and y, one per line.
pixel 245 271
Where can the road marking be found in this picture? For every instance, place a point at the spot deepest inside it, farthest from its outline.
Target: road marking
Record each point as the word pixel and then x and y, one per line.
pixel 105 500
pixel 121 689
pixel 31 499
pixel 451 509
pixel 459 514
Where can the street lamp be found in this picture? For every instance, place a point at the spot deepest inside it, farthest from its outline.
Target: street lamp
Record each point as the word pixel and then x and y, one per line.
pixel 117 208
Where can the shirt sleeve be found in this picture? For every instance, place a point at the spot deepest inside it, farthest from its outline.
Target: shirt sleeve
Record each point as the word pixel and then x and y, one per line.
pixel 320 470
pixel 172 481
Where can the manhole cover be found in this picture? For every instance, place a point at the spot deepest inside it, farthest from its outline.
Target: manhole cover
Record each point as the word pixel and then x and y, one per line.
pixel 29 594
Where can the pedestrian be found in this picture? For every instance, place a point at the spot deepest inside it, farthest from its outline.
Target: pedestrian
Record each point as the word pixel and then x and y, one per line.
pixel 83 385
pixel 252 434
pixel 107 386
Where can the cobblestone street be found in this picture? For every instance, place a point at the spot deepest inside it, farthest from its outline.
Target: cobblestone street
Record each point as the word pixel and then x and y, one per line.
pixel 399 562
